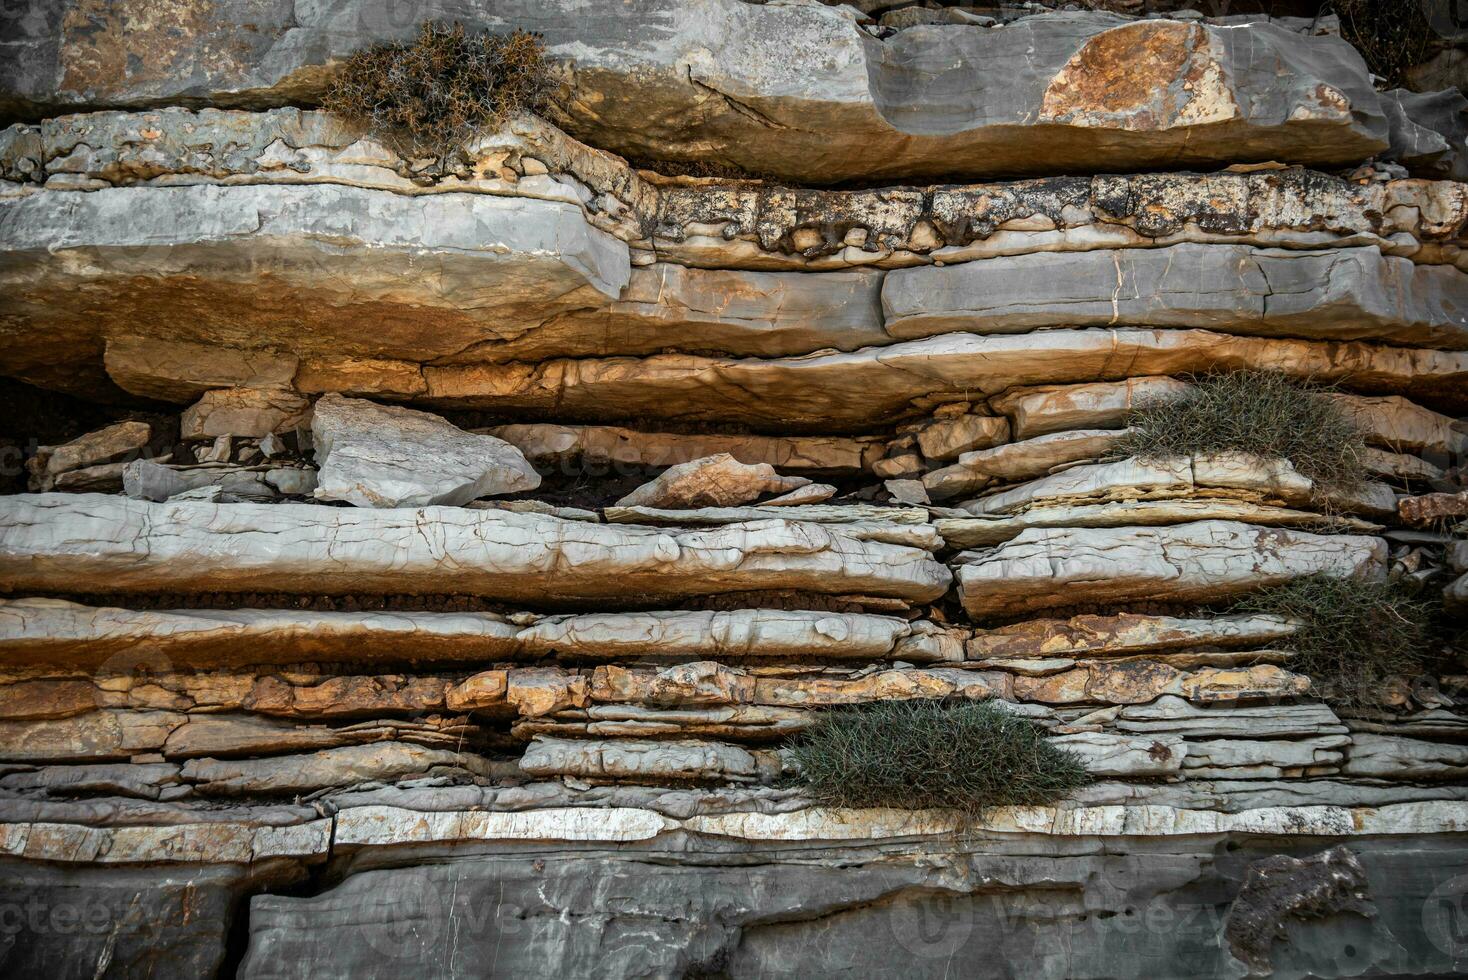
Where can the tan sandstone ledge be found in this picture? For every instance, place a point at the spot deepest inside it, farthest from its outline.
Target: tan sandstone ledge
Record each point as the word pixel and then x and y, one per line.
pixel 77 543
pixel 371 827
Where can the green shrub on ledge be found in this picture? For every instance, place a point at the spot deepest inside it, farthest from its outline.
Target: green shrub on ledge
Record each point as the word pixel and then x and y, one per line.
pixel 434 94
pixel 1356 638
pixel 924 754
pixel 1256 412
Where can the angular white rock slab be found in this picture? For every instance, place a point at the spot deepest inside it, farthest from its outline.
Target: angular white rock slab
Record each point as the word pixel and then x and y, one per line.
pixel 375 455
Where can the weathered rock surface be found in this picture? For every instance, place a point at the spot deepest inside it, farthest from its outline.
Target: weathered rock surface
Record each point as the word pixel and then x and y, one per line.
pixel 644 760
pixel 385 456
pixel 1044 568
pixel 1017 461
pixel 870 910
pixel 1340 294
pixel 1390 757
pixel 1117 755
pixel 331 767
pixel 678 81
pixel 80 543
pixel 1174 715
pixel 54 631
pixel 1042 411
pixel 1125 633
pixel 1228 475
pixel 714 481
pixel 550 736
pixel 993 529
pixel 252 412
pixel 144 479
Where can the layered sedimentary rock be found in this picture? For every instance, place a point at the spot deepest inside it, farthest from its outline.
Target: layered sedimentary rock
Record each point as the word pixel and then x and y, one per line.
pixel 751 407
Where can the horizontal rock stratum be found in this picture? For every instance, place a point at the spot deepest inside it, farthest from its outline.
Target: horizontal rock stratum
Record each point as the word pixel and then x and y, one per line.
pixel 794 90
pixel 92 543
pixel 1196 562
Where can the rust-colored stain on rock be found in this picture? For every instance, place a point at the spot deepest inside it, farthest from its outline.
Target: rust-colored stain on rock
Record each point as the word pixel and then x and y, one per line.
pixel 1145 76
pixel 111 47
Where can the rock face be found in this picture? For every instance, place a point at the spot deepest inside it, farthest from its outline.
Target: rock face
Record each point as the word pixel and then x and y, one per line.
pixel 778 370
pixel 384 456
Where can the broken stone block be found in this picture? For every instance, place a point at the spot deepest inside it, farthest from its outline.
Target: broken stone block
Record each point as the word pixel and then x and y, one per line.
pixel 250 412
pixel 1129 756
pixel 112 444
pixel 676 759
pixel 714 481
pixel 1099 405
pixel 143 479
pixel 949 438
pixel 375 455
pixel 1017 461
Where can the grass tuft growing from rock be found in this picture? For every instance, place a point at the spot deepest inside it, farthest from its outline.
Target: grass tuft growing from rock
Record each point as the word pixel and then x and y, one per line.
pixel 1356 639
pixel 433 94
pixel 924 754
pixel 1256 412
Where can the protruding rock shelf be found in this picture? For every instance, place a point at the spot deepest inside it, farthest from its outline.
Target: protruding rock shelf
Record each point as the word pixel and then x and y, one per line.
pixel 84 543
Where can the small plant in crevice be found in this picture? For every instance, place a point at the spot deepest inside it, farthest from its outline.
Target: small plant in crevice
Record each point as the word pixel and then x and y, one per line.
pixel 1355 638
pixel 1256 412
pixel 922 754
pixel 430 96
